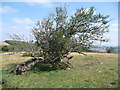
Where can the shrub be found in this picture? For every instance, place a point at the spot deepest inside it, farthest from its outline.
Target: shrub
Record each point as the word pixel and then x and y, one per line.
pixel 7 48
pixel 27 55
pixel 110 49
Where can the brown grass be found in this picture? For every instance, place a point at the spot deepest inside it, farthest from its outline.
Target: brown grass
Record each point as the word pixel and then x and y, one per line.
pixel 3 43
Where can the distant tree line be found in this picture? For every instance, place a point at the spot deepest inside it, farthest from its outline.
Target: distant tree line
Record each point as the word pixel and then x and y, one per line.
pixel 110 49
pixel 22 45
pixel 15 46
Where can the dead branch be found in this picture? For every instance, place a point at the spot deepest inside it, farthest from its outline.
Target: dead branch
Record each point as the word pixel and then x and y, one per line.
pixel 27 65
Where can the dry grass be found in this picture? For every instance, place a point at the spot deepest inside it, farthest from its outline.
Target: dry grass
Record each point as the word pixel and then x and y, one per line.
pixel 3 43
pixel 97 70
pixel 12 59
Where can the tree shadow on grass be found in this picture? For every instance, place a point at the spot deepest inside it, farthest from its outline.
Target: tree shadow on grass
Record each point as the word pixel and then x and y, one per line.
pixel 9 67
pixel 36 69
pixel 43 68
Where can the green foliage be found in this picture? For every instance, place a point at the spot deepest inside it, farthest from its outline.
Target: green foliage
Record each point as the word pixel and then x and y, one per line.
pixel 16 43
pixel 82 49
pixel 110 49
pixel 27 55
pixel 0 48
pixel 59 34
pixel 21 45
pixel 7 48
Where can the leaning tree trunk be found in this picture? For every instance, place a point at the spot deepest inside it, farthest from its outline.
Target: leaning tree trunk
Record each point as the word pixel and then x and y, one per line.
pixel 27 65
pixel 20 68
pixel 56 62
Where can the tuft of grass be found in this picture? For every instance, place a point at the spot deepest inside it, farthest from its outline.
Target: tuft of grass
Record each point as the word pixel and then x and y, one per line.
pixel 97 70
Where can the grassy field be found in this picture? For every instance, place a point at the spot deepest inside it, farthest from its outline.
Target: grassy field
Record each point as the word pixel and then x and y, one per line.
pixel 97 70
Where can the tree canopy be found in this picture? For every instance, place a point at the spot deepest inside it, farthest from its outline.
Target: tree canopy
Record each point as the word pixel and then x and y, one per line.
pixel 58 34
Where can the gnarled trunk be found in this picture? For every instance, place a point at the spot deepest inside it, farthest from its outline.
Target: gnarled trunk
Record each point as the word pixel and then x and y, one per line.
pixel 56 62
pixel 27 65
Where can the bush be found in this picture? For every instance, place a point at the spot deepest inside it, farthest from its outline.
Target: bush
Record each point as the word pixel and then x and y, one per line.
pixel 82 49
pixel 20 45
pixel 7 48
pixel 27 55
pixel 110 49
pixel 0 48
